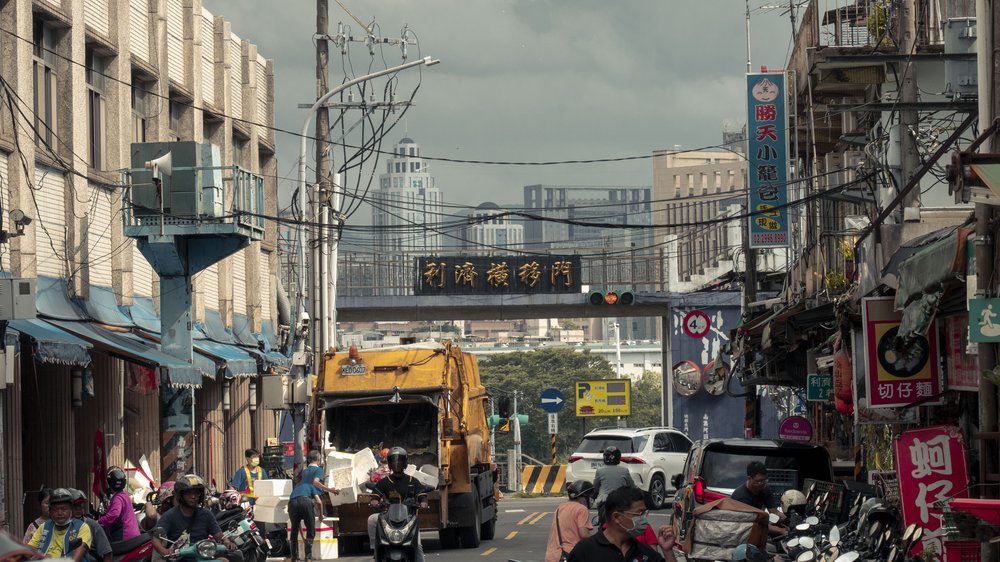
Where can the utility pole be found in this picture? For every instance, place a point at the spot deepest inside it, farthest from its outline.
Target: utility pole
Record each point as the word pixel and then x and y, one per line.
pixel 321 192
pixel 517 442
pixel 908 119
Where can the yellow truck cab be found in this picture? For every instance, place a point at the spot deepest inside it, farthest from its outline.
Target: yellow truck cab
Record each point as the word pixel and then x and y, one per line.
pixel 429 399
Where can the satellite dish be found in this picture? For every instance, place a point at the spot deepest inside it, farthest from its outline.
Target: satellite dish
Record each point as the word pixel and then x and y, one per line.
pixel 714 378
pixel 686 378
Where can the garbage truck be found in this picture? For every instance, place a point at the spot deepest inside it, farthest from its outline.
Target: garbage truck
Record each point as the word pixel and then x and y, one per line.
pixel 429 399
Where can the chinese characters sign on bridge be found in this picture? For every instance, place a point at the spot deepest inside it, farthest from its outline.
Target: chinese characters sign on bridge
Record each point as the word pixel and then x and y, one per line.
pixel 930 463
pixel 767 160
pixel 897 376
pixel 498 274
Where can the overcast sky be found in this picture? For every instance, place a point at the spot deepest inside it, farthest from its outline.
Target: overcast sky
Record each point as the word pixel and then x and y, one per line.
pixel 531 80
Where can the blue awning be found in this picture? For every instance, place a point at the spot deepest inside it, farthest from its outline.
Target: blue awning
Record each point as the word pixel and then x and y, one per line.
pixel 215 329
pixel 52 345
pixel 178 373
pixel 236 361
pixel 256 344
pixel 144 315
pixel 52 300
pixel 103 307
pixel 204 364
pixel 244 332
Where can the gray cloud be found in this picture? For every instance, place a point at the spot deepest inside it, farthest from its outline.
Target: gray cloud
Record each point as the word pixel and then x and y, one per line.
pixel 532 80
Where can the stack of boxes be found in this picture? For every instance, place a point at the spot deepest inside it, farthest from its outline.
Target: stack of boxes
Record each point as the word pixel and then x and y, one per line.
pixel 272 501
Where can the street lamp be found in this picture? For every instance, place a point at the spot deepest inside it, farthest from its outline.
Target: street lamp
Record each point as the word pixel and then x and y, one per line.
pixel 323 311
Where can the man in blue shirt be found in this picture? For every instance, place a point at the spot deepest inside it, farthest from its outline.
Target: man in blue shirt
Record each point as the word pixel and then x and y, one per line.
pixel 247 475
pixel 302 503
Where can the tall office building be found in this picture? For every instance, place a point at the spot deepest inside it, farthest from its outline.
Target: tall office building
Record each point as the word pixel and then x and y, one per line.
pixel 407 204
pixel 490 231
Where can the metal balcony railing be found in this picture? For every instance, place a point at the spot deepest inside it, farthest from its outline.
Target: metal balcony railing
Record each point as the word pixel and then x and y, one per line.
pixel 877 23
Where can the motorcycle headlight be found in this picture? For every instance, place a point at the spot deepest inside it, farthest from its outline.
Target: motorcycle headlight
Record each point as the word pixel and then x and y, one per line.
pixel 206 549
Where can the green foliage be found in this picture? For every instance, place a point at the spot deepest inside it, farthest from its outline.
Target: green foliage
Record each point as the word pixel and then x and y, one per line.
pixel 532 372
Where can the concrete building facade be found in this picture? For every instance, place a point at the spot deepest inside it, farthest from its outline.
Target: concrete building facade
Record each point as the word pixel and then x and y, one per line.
pixel 81 81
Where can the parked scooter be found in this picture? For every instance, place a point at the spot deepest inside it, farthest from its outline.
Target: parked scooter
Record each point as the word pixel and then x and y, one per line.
pixel 137 549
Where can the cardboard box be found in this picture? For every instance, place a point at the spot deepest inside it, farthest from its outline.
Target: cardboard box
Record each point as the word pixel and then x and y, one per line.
pixel 272 488
pixel 325 543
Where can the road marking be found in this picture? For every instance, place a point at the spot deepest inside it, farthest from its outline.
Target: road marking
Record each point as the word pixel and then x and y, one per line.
pixel 510 536
pixel 513 511
pixel 525 520
pixel 539 518
pixel 489 551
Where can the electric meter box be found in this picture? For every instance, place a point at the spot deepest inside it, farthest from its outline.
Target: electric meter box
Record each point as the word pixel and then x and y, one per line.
pixel 17 299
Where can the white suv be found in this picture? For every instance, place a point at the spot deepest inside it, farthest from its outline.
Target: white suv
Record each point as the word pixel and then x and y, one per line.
pixel 652 454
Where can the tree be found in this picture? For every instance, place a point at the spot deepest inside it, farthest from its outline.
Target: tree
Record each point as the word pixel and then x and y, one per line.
pixel 534 371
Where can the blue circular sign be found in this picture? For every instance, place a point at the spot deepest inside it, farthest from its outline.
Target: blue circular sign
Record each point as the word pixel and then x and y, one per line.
pixel 552 401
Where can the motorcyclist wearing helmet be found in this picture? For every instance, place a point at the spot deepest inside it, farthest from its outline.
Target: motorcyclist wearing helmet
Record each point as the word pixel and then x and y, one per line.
pixel 55 535
pixel 571 521
pixel 756 493
pixel 188 515
pixel 610 477
pixel 102 546
pixel 119 521
pixel 302 503
pixel 396 488
pixel 154 509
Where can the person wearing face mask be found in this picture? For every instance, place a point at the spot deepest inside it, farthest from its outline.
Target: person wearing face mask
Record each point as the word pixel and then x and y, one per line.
pixel 55 535
pixel 626 514
pixel 571 521
pixel 249 473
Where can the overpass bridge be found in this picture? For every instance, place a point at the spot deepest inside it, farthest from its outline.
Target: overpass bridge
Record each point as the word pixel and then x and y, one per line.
pixel 521 306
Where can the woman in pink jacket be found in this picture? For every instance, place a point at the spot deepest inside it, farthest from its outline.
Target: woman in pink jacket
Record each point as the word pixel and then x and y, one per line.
pixel 119 522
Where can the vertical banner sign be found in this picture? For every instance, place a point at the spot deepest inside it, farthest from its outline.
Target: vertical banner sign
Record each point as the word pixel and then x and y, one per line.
pixel 897 377
pixel 767 160
pixel 930 463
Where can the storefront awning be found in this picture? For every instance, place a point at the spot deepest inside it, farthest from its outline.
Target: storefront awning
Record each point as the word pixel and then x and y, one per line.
pixel 52 300
pixel 256 345
pixel 204 364
pixel 144 314
pixel 236 362
pixel 102 306
pixel 52 345
pixel 176 372
pixel 215 329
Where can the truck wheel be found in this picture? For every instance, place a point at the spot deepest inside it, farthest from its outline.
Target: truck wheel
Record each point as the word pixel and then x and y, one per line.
pixel 488 529
pixel 449 538
pixel 657 494
pixel 471 536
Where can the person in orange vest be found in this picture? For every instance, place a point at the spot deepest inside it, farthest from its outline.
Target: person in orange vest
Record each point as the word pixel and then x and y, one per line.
pixel 249 473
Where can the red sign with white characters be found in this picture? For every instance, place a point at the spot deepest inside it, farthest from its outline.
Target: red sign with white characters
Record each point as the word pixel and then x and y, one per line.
pixel 931 467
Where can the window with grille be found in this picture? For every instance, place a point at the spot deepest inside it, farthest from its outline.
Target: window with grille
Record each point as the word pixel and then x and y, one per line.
pixel 96 65
pixel 45 81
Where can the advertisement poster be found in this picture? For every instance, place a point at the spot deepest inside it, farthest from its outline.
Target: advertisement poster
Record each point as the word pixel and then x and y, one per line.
pixel 897 377
pixel 930 464
pixel 767 160
pixel 962 367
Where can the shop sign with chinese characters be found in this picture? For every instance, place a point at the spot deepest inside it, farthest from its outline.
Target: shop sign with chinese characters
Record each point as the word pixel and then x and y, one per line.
pixel 930 463
pixel 767 160
pixel 897 377
pixel 477 275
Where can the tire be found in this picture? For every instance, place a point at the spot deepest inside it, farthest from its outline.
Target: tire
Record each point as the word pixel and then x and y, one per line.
pixel 471 536
pixel 279 545
pixel 488 529
pixel 449 538
pixel 656 497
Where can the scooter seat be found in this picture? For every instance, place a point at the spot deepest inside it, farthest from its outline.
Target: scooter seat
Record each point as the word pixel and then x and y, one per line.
pixel 124 547
pixel 229 515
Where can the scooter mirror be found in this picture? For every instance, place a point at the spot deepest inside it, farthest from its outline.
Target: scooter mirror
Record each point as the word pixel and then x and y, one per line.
pixel 806 556
pixel 812 520
pixel 908 533
pixel 807 542
pixel 794 543
pixel 773 518
pixel 917 533
pixel 848 557
pixel 802 527
pixel 892 555
pixel 834 535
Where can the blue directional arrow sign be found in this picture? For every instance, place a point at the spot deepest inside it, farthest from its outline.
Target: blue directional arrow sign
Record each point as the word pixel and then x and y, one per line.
pixel 552 401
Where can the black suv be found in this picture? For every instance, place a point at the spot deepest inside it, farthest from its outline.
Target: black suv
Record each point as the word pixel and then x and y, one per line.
pixel 716 467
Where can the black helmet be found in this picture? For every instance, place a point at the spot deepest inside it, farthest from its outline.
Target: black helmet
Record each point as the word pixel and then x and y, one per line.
pixel 116 479
pixel 397 458
pixel 78 496
pixel 60 495
pixel 612 455
pixel 190 482
pixel 580 488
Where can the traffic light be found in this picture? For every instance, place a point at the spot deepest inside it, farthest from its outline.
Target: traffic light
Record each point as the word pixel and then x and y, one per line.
pixel 522 419
pixel 503 405
pixel 493 420
pixel 625 298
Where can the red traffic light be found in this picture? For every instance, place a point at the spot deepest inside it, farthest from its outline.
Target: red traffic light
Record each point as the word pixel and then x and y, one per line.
pixel 596 298
pixel 611 297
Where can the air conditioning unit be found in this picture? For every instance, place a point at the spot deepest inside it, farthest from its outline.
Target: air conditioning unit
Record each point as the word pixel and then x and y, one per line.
pixel 849 123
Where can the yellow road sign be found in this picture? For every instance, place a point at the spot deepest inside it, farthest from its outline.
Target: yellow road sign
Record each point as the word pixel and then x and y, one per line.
pixel 611 397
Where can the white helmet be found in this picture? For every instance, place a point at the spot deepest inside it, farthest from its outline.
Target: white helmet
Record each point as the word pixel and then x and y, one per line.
pixel 792 498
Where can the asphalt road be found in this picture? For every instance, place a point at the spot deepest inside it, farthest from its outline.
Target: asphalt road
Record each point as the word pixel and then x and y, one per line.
pixel 522 531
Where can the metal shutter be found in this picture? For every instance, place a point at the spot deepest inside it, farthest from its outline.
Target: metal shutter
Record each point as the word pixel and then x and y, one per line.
pixel 208 283
pixel 236 70
pixel 142 273
pixel 5 204
pixel 208 56
pixel 95 14
pixel 264 282
pixel 98 234
pixel 50 241
pixel 175 41
pixel 138 14
pixel 239 264
pixel 261 90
